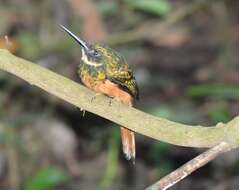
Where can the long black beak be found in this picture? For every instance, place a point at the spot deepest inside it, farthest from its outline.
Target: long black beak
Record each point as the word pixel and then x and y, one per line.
pixel 81 42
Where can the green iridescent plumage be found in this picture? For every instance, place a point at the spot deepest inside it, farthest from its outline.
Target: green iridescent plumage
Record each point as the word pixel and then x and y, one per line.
pixel 109 65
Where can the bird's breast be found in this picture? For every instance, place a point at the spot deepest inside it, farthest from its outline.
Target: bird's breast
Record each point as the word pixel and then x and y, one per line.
pixel 90 76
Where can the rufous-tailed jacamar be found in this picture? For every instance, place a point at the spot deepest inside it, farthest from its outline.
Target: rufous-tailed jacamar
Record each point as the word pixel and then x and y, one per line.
pixel 105 71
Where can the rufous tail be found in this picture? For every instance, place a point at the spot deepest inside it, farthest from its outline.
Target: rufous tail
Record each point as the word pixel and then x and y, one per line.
pixel 128 143
pixel 127 136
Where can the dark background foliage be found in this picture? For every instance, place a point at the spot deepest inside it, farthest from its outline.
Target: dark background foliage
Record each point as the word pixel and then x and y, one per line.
pixel 184 56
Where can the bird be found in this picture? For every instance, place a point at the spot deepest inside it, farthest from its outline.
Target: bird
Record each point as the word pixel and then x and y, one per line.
pixel 105 71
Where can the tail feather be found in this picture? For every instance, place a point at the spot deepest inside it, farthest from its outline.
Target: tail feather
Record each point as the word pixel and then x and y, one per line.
pixel 128 143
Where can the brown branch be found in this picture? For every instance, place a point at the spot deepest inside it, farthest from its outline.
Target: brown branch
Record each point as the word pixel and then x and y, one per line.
pixel 154 127
pixel 185 170
pixel 226 135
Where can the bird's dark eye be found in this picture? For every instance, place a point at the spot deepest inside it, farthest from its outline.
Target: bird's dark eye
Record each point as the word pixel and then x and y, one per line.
pixel 96 53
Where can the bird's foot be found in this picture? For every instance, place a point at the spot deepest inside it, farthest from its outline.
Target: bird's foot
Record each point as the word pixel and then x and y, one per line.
pixel 94 97
pixel 81 109
pixel 110 101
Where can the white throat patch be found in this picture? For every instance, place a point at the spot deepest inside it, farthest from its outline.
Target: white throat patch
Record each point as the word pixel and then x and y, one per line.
pixel 86 61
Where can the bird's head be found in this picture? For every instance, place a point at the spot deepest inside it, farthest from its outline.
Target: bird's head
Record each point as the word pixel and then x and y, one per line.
pixel 94 54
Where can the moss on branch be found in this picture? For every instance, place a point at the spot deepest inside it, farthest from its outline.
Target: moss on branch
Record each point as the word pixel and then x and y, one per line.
pixel 136 120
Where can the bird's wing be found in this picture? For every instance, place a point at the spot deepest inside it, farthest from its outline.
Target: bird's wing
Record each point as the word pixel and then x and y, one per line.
pixel 125 80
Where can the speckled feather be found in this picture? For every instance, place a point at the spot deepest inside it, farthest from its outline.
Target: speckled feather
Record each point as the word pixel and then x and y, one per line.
pixel 113 67
pixel 108 73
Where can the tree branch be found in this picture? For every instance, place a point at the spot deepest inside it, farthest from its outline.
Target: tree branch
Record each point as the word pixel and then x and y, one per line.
pixel 185 170
pixel 138 121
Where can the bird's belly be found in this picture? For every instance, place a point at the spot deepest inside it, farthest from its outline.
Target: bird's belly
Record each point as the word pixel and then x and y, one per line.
pixel 108 88
pixel 90 82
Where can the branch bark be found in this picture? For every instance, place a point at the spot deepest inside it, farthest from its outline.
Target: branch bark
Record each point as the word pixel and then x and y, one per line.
pixel 185 170
pixel 154 127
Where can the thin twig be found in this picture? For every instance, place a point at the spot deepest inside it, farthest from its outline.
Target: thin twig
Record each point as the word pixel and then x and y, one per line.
pixel 185 170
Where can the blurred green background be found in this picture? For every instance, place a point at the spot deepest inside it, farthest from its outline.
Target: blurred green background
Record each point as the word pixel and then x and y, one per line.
pixel 184 56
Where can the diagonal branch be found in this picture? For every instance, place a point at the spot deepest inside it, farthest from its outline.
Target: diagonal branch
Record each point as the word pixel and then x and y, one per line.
pixel 136 120
pixel 185 170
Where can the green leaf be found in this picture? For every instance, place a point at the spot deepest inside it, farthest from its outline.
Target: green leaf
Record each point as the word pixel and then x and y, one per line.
pixel 158 155
pixel 219 113
pixel 112 162
pixel 29 45
pixel 45 179
pixel 156 7
pixel 217 90
pixel 107 8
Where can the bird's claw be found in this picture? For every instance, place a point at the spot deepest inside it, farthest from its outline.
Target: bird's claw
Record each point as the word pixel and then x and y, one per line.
pixel 81 109
pixel 94 97
pixel 110 101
